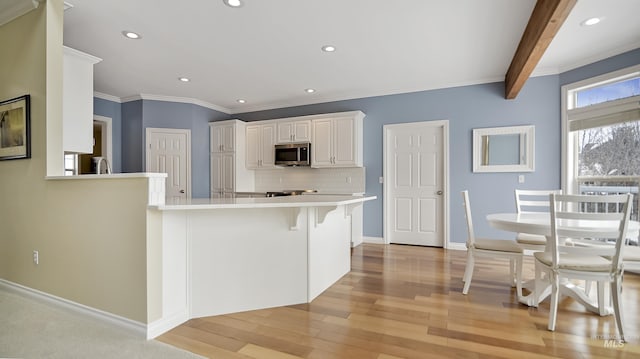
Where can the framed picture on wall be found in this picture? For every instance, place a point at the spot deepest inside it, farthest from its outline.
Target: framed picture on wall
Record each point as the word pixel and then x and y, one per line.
pixel 15 135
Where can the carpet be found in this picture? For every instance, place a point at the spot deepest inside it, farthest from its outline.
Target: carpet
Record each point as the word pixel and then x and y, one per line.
pixel 31 328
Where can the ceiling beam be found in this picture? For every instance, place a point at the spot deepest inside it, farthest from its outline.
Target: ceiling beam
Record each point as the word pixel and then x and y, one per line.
pixel 544 23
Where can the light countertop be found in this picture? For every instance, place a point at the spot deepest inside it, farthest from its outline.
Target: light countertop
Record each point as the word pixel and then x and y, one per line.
pixel 263 202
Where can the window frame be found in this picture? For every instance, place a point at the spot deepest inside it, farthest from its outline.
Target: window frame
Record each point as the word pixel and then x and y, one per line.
pixel 569 175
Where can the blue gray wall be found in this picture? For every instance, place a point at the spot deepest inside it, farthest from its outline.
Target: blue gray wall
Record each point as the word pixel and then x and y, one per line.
pixel 466 108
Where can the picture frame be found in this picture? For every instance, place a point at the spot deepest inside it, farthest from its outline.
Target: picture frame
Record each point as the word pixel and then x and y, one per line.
pixel 15 128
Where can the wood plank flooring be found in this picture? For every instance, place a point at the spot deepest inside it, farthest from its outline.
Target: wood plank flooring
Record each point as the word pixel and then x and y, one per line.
pixel 406 302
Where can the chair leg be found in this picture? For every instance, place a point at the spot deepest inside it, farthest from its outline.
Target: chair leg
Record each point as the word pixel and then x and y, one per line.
pixel 468 272
pixel 587 287
pixel 553 308
pixel 512 273
pixel 616 293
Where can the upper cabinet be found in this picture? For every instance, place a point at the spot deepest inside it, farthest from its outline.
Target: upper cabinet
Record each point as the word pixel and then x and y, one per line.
pixel 228 172
pixel 77 101
pixel 261 140
pixel 223 136
pixel 294 131
pixel 336 141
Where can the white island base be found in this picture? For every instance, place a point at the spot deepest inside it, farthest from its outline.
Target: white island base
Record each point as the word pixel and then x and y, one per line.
pixel 227 256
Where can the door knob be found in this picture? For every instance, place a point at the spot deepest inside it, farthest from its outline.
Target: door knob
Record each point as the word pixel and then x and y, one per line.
pixel 181 191
pixel 439 193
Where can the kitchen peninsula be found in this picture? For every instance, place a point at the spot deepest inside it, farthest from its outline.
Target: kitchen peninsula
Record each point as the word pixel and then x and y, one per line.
pixel 229 255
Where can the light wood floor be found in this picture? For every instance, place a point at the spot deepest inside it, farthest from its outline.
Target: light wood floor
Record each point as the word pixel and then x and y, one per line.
pixel 406 302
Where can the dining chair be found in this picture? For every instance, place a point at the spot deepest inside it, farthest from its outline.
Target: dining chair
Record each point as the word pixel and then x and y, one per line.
pixel 531 201
pixel 568 220
pixel 493 248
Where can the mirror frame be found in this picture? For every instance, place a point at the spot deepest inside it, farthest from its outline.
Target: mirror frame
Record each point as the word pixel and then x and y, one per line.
pixel 528 162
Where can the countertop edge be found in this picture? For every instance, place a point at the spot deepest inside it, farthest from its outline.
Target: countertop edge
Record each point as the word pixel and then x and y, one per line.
pixel 279 204
pixel 108 176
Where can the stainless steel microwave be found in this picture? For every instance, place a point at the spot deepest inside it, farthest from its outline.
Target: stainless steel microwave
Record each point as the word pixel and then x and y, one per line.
pixel 293 154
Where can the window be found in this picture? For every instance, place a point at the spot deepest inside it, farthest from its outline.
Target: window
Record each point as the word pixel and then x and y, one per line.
pixel 601 135
pixel 70 164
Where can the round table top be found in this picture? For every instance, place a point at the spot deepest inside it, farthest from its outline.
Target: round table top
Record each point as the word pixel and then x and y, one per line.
pixel 540 223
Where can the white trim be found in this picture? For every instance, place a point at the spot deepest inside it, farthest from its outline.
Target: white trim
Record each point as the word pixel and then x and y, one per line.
pixel 457 246
pixel 192 101
pixel 107 97
pixel 567 164
pixel 83 55
pixel 163 325
pixel 186 132
pixel 107 136
pixel 445 175
pixel 132 326
pixel 527 145
pixel 375 240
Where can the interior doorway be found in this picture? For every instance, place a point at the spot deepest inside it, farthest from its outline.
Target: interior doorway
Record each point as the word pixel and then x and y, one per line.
pixel 416 167
pixel 102 145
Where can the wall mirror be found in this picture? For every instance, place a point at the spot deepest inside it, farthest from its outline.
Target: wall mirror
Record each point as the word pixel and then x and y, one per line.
pixel 504 149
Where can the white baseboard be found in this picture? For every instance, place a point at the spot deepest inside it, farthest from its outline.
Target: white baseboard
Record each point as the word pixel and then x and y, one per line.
pixel 163 325
pixel 455 246
pixel 376 240
pixel 132 326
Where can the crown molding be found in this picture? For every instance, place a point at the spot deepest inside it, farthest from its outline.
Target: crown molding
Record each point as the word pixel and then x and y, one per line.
pixel 16 9
pixel 107 97
pixel 163 98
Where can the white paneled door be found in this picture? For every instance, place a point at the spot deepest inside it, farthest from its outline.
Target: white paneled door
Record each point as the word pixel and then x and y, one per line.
pixel 168 151
pixel 415 183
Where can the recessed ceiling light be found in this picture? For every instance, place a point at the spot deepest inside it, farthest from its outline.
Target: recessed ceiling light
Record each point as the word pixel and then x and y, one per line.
pixel 233 3
pixel 309 90
pixel 184 79
pixel 241 100
pixel 131 35
pixel 591 21
pixel 328 48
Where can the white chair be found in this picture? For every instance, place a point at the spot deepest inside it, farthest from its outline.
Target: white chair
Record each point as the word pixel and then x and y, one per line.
pixel 530 201
pixel 494 248
pixel 571 263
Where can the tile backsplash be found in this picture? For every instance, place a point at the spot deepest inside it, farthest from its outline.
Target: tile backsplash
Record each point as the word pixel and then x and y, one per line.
pixel 325 180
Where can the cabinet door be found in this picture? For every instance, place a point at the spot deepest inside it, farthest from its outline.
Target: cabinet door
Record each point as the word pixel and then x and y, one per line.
pixel 228 138
pixel 253 146
pixel 217 169
pixel 228 172
pixel 77 102
pixel 321 144
pixel 222 138
pixel 285 132
pixel 268 141
pixel 302 131
pixel 344 138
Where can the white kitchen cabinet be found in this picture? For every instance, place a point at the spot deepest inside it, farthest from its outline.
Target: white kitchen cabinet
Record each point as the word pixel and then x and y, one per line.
pixel 222 172
pixel 77 101
pixel 228 172
pixel 223 136
pixel 294 131
pixel 337 141
pixel 261 140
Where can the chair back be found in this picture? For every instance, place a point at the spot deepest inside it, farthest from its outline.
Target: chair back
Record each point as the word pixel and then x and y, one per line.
pixel 531 201
pixel 471 238
pixel 569 220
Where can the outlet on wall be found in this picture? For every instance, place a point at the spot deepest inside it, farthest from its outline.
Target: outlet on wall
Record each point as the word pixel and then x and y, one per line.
pixel 36 257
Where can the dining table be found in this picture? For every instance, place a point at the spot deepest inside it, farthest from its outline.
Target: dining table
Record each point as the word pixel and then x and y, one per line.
pixel 540 223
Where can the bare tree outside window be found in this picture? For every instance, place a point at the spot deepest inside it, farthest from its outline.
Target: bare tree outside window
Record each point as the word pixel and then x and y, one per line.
pixel 610 151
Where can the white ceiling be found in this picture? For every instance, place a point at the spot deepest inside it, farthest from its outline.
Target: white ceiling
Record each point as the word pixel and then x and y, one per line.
pixel 268 52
